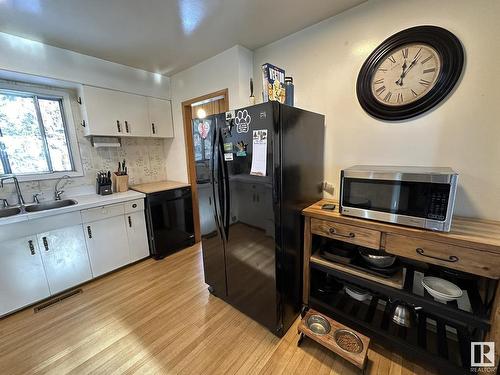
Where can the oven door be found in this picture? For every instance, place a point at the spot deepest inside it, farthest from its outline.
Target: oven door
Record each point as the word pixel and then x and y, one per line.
pixel 415 203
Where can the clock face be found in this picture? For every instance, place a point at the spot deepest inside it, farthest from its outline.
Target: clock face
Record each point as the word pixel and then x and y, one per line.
pixel 406 74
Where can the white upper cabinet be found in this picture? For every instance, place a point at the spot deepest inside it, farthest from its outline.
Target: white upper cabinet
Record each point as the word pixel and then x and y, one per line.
pixel 119 114
pixel 134 113
pixel 101 112
pixel 160 118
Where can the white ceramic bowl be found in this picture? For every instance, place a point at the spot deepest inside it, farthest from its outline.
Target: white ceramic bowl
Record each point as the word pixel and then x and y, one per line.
pixel 441 289
pixel 358 295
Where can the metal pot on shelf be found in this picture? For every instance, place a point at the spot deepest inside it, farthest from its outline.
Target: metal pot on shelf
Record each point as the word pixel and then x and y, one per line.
pixel 404 314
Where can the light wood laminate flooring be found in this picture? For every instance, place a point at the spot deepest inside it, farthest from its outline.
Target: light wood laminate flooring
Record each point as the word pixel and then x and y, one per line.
pixel 157 317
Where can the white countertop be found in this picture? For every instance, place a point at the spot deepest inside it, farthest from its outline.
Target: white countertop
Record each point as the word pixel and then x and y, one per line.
pixel 84 202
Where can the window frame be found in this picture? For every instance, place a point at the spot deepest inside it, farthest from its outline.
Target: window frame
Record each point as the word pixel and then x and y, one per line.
pixel 68 122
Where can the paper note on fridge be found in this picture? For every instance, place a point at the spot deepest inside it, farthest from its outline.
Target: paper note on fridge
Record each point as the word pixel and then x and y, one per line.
pixel 259 153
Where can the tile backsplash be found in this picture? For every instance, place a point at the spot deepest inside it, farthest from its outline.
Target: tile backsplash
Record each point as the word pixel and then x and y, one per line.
pixel 145 159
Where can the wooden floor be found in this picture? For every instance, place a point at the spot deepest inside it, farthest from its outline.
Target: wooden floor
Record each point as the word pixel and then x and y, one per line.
pixel 157 317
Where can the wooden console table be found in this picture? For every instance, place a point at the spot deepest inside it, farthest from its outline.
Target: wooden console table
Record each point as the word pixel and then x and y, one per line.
pixel 472 246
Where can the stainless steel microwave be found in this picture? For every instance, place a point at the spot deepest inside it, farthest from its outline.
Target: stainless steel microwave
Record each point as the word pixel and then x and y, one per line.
pixel 416 196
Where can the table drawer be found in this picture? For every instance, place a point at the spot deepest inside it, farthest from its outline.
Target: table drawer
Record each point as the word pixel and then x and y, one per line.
pixel 103 212
pixel 445 255
pixel 347 233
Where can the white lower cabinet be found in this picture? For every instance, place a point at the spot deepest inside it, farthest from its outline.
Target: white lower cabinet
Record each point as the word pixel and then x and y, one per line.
pixel 64 257
pixel 22 277
pixel 137 235
pixel 107 244
pixel 63 252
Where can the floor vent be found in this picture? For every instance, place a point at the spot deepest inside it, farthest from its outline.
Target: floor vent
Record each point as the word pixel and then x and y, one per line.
pixel 57 299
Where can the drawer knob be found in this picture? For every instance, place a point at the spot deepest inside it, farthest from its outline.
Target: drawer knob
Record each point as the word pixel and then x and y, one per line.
pixel 134 205
pixel 334 231
pixel 451 258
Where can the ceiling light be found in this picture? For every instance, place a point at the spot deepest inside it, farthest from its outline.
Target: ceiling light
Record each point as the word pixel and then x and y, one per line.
pixel 201 113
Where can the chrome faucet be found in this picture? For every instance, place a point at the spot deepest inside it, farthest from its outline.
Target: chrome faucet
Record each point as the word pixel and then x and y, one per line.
pixel 57 191
pixel 16 183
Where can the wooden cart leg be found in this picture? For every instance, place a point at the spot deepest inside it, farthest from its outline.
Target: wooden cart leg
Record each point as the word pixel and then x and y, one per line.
pixel 301 338
pixel 304 311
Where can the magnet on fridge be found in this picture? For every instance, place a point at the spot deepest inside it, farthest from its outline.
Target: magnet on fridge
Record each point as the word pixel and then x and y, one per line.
pixel 242 148
pixel 228 147
pixel 228 156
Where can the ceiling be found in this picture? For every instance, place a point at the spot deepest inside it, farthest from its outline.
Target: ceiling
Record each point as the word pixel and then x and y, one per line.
pixel 161 36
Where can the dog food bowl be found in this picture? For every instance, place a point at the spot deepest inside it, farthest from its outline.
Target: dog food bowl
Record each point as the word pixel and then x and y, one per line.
pixel 319 325
pixel 348 341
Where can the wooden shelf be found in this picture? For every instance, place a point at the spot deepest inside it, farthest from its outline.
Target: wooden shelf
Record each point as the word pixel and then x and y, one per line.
pixel 477 243
pixel 474 318
pixel 397 281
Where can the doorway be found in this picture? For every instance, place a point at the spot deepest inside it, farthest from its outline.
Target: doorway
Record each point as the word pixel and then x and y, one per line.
pixel 202 106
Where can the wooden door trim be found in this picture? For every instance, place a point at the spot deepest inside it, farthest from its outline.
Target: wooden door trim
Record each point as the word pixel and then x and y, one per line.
pixel 188 142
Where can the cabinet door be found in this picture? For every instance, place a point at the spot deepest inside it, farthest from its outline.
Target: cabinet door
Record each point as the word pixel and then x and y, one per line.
pixel 107 244
pixel 137 235
pixel 134 112
pixel 65 257
pixel 103 112
pixel 160 118
pixel 22 278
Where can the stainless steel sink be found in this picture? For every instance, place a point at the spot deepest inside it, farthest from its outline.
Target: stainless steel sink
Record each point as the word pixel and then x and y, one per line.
pixel 10 211
pixel 50 205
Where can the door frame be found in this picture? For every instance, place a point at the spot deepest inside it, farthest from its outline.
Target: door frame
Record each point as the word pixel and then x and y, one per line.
pixel 187 115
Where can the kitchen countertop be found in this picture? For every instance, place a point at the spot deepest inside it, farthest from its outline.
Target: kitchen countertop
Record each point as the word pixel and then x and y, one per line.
pixel 84 202
pixel 154 187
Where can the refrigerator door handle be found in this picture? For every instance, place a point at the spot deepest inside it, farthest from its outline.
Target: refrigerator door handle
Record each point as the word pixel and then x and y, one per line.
pixel 225 189
pixel 215 177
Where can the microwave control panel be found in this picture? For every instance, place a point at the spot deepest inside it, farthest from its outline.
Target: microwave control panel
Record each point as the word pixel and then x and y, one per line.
pixel 438 205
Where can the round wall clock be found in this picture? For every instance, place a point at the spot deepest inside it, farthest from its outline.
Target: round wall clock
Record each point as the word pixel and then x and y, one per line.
pixel 410 72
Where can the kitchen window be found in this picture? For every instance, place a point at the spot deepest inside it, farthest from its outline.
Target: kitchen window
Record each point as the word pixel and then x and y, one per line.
pixel 37 138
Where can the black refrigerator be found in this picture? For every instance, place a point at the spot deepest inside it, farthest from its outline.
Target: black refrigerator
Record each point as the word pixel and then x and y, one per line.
pixel 257 168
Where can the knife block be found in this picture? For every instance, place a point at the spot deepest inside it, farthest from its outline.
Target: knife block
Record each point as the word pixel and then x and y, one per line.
pixel 120 183
pixel 103 189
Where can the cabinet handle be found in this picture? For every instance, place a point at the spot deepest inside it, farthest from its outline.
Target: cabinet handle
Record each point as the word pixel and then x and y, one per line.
pixel 45 243
pixel 118 126
pixel 126 126
pixel 334 231
pixel 130 222
pixel 32 247
pixel 153 126
pixel 451 258
pixel 89 231
pixel 83 123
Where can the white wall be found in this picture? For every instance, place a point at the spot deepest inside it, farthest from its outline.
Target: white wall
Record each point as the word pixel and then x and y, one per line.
pixel 463 132
pixel 230 69
pixel 25 56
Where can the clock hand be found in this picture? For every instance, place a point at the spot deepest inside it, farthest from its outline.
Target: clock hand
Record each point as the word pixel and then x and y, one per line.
pixel 412 64
pixel 400 80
